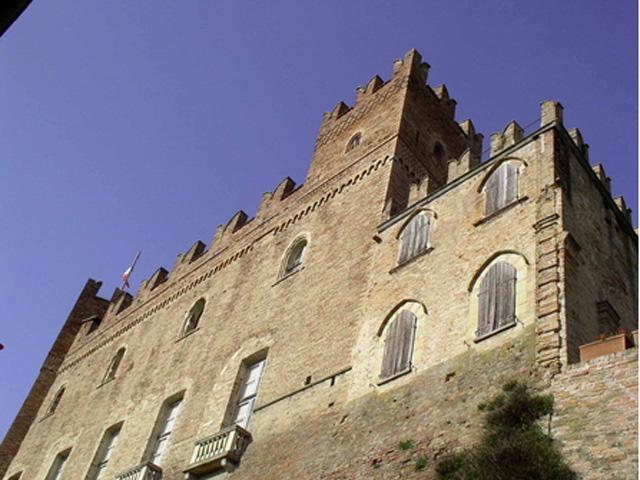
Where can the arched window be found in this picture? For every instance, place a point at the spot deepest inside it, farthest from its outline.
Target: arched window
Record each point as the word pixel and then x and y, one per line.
pixel 354 142
pixel 502 188
pixel 113 366
pixel 398 344
pixel 497 298
pixel 193 317
pixel 414 238
pixel 56 401
pixel 295 256
pixel 163 429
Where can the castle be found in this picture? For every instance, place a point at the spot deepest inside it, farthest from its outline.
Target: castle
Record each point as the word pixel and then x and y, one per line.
pixel 375 305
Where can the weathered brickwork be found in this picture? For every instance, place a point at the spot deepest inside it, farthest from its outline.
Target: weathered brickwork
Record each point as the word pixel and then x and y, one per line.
pixel 322 410
pixel 596 416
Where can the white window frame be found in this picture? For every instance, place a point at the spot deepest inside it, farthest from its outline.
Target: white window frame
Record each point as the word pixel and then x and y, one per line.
pixel 163 430
pixel 103 454
pixel 286 269
pixel 57 467
pixel 246 396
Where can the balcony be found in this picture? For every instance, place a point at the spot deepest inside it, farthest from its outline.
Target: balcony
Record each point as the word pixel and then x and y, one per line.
pixel 146 471
pixel 221 451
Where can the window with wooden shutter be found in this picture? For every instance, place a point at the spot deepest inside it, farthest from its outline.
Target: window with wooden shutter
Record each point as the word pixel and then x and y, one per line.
pixel 101 460
pixel 354 141
pixel 56 401
pixel 193 317
pixel 497 299
pixel 246 396
pixel 414 238
pixel 501 188
pixel 294 257
pixel 113 366
pixel 398 344
pixel 163 430
pixel 57 468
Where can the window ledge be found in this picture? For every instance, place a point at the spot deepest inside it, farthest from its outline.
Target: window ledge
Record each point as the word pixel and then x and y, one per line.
pixel 288 275
pixel 106 382
pixel 47 415
pixel 394 376
pixel 411 260
pixel 496 331
pixel 500 211
pixel 189 333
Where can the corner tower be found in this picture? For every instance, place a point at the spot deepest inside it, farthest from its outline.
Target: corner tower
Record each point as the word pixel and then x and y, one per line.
pixel 402 118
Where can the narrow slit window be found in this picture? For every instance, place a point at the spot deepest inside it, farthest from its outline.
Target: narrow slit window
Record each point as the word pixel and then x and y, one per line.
pixel 398 344
pixel 497 298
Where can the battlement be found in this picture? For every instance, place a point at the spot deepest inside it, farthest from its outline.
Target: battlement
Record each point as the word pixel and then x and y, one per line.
pixel 461 152
pixel 408 67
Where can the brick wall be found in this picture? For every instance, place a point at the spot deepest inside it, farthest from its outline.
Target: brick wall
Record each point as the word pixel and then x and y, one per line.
pixel 324 322
pixel 596 416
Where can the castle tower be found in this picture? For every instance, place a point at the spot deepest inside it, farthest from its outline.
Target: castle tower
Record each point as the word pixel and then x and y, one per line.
pixel 376 305
pixel 403 119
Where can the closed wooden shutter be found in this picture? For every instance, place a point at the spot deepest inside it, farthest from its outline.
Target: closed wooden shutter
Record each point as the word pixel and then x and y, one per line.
pixel 511 186
pixel 113 367
pixel 496 298
pixel 487 303
pixel 492 193
pixel 398 344
pixel 506 296
pixel 501 188
pixel 414 238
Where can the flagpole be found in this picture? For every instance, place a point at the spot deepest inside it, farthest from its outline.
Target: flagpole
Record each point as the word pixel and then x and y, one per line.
pixel 125 279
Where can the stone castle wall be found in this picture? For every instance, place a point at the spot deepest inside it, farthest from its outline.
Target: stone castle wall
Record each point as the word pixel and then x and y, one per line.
pixel 321 411
pixel 596 416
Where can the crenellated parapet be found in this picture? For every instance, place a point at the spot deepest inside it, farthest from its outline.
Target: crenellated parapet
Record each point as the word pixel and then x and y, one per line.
pixel 270 201
pixel 448 104
pixel 598 169
pixel 471 156
pixel 622 205
pixel 511 135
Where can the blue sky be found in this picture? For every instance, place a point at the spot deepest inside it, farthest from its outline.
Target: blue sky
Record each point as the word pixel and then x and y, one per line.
pixel 143 125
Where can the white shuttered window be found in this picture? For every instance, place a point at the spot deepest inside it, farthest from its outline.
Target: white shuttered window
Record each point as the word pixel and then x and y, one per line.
pixel 113 366
pixel 414 238
pixel 294 258
pixel 398 344
pixel 501 188
pixel 57 468
pixel 99 465
pixel 497 298
pixel 164 429
pixel 248 393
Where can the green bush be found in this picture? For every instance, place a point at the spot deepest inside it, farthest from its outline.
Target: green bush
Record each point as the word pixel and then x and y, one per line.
pixel 512 446
pixel 421 463
pixel 405 445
